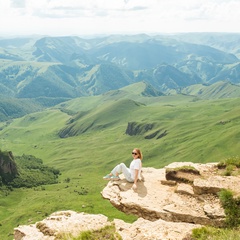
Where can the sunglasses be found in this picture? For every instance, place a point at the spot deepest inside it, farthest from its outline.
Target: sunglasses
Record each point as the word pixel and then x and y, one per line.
pixel 134 153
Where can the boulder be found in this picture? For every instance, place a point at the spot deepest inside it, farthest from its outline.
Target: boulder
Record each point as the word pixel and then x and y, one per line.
pixel 58 223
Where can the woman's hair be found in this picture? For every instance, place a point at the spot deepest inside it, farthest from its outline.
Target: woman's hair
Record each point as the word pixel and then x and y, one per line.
pixel 139 153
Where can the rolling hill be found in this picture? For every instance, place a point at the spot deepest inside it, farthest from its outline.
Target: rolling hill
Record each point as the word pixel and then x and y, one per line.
pixel 217 90
pixel 11 108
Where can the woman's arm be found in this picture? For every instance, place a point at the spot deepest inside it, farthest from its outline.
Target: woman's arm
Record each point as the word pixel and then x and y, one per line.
pixel 134 187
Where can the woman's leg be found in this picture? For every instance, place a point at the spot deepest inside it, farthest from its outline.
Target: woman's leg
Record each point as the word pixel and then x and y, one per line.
pixel 122 168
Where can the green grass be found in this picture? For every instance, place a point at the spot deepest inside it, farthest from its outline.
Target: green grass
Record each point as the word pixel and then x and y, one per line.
pixel 108 232
pixel 210 233
pixel 194 133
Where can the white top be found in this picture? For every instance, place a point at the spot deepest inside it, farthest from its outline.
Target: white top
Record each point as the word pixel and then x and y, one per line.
pixel 136 164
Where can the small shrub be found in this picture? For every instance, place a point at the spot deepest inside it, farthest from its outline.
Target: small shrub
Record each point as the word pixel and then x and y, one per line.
pixel 231 207
pixel 229 170
pixel 83 191
pixel 234 161
pixel 67 180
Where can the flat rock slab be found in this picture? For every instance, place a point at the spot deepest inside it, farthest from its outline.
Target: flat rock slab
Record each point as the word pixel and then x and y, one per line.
pixel 156 230
pixel 175 203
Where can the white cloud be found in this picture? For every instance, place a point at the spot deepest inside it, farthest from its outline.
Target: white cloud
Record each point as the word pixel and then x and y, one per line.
pixel 18 3
pixel 61 17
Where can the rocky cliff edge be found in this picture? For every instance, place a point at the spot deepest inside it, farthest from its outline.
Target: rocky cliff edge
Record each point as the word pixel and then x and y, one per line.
pixel 169 204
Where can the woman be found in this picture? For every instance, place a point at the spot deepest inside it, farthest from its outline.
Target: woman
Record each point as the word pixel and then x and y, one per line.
pixel 132 174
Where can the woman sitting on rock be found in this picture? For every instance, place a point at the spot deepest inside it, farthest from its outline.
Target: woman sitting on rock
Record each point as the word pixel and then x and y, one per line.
pixel 132 174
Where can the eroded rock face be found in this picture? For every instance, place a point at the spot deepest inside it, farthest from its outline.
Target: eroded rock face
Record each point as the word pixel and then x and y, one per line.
pixel 7 163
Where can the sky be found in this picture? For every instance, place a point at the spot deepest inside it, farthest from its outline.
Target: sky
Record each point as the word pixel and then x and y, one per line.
pixel 94 17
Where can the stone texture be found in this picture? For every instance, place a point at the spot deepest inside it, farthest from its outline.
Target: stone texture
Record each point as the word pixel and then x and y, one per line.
pixel 153 230
pixel 214 184
pixel 67 222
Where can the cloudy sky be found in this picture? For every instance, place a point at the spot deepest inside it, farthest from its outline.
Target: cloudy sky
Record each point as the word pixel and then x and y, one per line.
pixel 90 17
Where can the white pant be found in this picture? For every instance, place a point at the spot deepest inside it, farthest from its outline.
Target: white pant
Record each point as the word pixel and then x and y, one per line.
pixel 122 168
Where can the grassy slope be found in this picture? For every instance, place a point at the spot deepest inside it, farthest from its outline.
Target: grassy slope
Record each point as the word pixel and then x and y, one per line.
pixel 217 90
pixel 194 134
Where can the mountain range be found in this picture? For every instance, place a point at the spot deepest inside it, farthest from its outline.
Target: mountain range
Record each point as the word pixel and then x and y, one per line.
pixel 57 69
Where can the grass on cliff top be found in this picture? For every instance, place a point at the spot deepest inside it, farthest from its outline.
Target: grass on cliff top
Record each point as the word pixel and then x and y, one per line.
pixel 202 131
pixel 108 232
pixel 211 233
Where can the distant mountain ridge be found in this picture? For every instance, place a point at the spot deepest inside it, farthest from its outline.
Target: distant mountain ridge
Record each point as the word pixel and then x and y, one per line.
pixel 70 67
pixel 222 89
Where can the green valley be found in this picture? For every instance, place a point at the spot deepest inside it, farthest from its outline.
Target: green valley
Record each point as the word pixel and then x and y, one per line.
pixel 101 131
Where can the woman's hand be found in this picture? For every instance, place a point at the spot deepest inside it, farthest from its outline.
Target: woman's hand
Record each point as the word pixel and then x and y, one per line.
pixel 134 186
